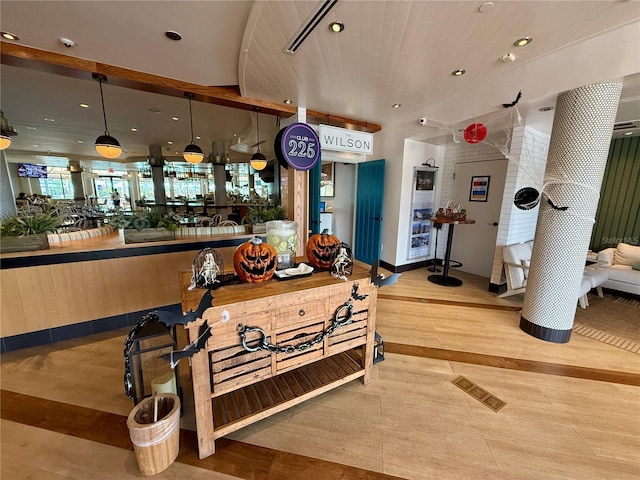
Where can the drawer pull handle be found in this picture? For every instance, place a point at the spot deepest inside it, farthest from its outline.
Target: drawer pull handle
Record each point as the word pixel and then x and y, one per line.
pixel 301 312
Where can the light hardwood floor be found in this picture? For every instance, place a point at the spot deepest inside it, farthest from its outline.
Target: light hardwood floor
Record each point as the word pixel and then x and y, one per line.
pixel 572 411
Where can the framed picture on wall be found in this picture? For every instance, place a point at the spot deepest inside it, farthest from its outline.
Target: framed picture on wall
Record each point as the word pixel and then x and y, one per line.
pixel 327 180
pixel 479 191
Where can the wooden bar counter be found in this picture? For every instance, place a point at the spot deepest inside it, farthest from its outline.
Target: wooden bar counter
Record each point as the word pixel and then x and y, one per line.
pixel 235 386
pixel 93 285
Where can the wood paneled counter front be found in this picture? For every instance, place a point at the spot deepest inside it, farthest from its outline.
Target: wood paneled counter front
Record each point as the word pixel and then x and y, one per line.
pixel 235 386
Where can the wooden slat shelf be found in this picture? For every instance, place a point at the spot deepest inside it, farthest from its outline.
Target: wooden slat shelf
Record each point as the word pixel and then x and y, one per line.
pixel 239 408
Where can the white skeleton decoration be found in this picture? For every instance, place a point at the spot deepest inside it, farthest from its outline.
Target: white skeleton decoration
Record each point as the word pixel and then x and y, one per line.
pixel 340 264
pixel 209 270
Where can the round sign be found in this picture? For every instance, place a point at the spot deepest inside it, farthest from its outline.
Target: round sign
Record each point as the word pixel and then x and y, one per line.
pixel 475 133
pixel 298 146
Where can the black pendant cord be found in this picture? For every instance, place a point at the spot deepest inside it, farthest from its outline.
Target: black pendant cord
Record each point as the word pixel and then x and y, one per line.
pixel 191 121
pixel 258 129
pixel 104 115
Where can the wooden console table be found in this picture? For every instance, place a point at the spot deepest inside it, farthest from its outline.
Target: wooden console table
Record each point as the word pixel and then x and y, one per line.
pixel 234 387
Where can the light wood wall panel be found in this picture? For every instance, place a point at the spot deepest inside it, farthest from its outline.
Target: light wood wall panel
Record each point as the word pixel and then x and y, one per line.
pixel 43 297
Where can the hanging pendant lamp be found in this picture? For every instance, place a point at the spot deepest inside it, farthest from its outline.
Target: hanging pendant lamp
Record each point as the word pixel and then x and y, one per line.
pixel 6 132
pixel 192 152
pixel 258 160
pixel 106 145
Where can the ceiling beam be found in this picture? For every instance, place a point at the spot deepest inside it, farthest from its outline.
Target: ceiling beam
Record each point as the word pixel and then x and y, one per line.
pixel 227 96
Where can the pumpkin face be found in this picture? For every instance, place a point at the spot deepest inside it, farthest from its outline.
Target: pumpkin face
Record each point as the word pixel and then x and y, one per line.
pixel 321 249
pixel 255 261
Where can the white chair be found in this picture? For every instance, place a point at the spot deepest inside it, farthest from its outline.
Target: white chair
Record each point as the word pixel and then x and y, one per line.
pixel 204 222
pixel 516 260
pixel 227 223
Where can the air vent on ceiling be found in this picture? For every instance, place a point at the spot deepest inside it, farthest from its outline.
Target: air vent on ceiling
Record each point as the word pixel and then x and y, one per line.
pixel 309 25
pixel 626 125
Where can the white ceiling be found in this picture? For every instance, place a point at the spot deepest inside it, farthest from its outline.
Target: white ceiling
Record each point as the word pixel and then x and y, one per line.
pixel 390 52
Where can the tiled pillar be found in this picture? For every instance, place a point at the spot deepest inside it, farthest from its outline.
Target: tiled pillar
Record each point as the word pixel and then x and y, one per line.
pixel 577 158
pixel 7 197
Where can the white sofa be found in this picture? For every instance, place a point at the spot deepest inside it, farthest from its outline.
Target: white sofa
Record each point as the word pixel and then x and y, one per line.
pixel 618 262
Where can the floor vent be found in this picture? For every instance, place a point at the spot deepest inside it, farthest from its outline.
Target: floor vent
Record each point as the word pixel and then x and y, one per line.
pixel 484 397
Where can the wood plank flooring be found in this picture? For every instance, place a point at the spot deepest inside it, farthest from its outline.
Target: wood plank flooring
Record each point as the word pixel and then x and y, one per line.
pixel 572 411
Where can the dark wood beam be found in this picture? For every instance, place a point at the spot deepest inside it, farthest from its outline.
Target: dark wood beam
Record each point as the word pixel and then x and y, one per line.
pixel 228 96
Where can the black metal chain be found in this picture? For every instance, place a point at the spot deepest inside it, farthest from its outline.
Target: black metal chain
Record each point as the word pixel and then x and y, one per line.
pixel 263 342
pixel 128 345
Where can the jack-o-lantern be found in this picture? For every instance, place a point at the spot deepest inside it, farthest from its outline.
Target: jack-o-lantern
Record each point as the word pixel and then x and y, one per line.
pixel 255 261
pixel 321 249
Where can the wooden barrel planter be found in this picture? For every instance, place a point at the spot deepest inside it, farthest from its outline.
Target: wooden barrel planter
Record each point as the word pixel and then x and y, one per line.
pixel 155 443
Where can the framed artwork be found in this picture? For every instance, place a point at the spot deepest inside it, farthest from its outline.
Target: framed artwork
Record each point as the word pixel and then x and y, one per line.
pixel 424 180
pixel 479 191
pixel 327 180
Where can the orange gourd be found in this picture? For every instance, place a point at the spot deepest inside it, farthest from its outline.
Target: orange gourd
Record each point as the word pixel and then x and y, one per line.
pixel 321 249
pixel 255 261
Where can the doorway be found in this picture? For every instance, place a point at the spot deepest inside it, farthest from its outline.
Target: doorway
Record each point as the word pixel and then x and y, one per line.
pixel 474 245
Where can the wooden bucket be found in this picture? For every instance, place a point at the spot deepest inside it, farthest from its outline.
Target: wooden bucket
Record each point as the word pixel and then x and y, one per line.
pixel 155 443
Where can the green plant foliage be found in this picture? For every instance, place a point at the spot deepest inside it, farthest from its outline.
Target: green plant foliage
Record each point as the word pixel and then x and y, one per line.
pixel 152 218
pixel 262 214
pixel 15 226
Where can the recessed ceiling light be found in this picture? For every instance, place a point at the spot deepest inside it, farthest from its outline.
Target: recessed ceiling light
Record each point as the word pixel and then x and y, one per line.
pixel 80 141
pixel 171 35
pixel 170 142
pixel 459 72
pixel 134 129
pixel 197 137
pixel 84 105
pixel 34 145
pixel 545 109
pixel 287 101
pixel 629 133
pixel 521 42
pixel 396 105
pixel 9 36
pixel 49 120
pixel 31 128
pixel 336 27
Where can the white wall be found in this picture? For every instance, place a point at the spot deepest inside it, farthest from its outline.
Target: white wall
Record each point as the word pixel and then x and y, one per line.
pixel 342 204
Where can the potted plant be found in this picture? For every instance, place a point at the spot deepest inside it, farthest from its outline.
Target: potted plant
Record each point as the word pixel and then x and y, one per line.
pixel 146 225
pixel 259 215
pixel 21 234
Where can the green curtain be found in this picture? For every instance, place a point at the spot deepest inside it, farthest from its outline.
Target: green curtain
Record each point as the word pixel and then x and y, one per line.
pixel 618 214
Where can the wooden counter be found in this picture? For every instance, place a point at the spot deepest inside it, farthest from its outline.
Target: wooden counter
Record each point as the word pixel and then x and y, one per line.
pixel 235 386
pixel 98 282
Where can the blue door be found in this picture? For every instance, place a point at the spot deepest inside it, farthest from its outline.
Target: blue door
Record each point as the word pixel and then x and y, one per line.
pixel 369 196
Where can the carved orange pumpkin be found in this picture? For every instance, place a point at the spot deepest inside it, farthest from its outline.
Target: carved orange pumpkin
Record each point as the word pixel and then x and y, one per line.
pixel 321 249
pixel 255 261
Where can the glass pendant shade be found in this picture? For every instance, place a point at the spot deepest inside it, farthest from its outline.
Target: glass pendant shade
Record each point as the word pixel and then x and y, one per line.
pixel 108 147
pixel 6 131
pixel 5 141
pixel 193 153
pixel 258 161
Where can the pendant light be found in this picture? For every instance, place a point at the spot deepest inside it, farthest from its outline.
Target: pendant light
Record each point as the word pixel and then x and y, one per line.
pixel 6 132
pixel 258 160
pixel 192 152
pixel 106 145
